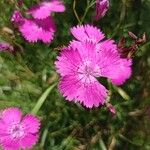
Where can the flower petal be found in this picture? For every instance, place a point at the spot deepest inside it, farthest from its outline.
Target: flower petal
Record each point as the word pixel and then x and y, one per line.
pixel 9 144
pixel 120 75
pixel 112 66
pixel 30 30
pixel 28 141
pixel 89 95
pixel 43 10
pixel 35 29
pixel 87 33
pixel 68 61
pixel 11 115
pixel 3 128
pixel 48 29
pixel 31 123
pixel 87 50
pixel 93 94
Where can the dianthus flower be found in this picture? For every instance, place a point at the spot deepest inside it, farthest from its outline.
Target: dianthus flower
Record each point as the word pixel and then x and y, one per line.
pixel 17 18
pixel 6 47
pixel 101 8
pixel 42 26
pixel 35 29
pixel 18 132
pixel 87 59
pixel 44 9
pixel 111 108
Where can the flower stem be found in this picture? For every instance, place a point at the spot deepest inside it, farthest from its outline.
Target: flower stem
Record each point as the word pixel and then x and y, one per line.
pixel 86 11
pixel 75 12
pixel 89 5
pixel 102 144
pixel 42 99
pixel 122 93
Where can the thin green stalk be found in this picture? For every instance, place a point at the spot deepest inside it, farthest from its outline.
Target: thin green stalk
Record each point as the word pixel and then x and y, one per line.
pixel 126 139
pixel 89 5
pixel 122 93
pixel 42 99
pixel 110 87
pixel 85 13
pixel 75 12
pixel 43 139
pixel 102 144
pixel 122 17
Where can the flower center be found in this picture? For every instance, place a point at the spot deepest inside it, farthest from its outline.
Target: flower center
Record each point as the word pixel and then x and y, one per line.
pixel 17 131
pixel 87 71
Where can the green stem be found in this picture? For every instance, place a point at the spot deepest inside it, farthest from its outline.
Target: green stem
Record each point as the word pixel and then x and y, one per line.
pixel 126 139
pixel 122 17
pixel 89 5
pixel 42 99
pixel 87 9
pixel 43 139
pixel 75 12
pixel 110 87
pixel 122 93
pixel 102 144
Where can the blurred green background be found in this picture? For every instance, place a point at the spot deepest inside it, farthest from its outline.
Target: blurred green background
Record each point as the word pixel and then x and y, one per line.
pixel 25 75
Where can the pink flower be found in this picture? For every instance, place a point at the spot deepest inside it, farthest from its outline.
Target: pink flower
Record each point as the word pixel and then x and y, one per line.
pixel 37 29
pixel 6 47
pixel 18 132
pixel 42 26
pixel 87 59
pixel 44 9
pixel 17 18
pixel 111 108
pixel 20 2
pixel 101 8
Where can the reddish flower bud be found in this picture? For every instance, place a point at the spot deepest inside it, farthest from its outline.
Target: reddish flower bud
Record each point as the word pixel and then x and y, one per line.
pixel 101 8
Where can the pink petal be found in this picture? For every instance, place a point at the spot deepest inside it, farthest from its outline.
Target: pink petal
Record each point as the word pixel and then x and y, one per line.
pixel 9 144
pixel 108 45
pixel 34 30
pixel 30 30
pixel 69 86
pixel 93 95
pixel 123 72
pixel 28 141
pixel 68 62
pixel 87 32
pixel 11 115
pixel 56 6
pixel 47 37
pixel 48 29
pixel 17 17
pixel 3 128
pixel 89 95
pixel 31 123
pixel 112 66
pixel 87 50
pixel 43 10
